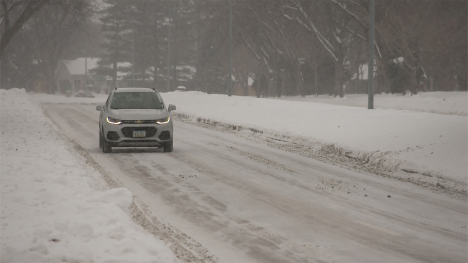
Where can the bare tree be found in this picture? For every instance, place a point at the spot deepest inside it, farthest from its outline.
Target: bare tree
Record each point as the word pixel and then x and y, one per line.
pixel 15 13
pixel 299 44
pixel 49 32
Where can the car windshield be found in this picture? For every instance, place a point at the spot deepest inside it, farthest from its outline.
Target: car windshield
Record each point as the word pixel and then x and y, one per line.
pixel 136 100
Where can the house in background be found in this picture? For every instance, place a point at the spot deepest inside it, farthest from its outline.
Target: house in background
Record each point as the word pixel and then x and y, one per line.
pixel 74 75
pixel 242 90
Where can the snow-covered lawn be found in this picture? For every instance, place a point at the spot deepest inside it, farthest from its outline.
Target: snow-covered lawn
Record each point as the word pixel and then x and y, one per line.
pixel 436 102
pixel 411 139
pixel 54 206
pixel 425 133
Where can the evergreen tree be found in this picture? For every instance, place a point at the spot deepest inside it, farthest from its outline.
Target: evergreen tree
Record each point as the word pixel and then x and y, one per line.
pixel 117 26
pixel 149 40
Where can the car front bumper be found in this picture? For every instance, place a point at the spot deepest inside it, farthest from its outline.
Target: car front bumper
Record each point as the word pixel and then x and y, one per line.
pixel 122 135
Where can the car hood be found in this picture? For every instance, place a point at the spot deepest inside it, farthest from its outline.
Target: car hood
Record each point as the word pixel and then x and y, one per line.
pixel 138 114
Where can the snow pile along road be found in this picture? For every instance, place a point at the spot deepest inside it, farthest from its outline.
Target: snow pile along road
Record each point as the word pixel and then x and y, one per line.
pixel 424 148
pixel 56 208
pixel 453 103
pixel 421 139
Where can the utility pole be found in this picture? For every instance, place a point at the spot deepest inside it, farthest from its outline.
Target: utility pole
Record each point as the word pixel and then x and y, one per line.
pixel 230 48
pixel 133 52
pixel 370 68
pixel 86 70
pixel 169 50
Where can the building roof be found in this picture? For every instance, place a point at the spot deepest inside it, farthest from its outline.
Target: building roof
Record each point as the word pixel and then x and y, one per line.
pixel 77 66
pixel 136 89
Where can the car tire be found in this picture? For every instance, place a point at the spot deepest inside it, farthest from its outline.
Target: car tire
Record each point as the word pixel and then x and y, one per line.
pixel 168 146
pixel 106 146
pixel 100 140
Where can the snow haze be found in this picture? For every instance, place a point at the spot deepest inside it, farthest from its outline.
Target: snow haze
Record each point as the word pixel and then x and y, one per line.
pixel 56 207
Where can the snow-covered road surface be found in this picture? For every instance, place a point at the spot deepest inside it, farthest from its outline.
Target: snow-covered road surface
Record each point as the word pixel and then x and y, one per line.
pixel 244 201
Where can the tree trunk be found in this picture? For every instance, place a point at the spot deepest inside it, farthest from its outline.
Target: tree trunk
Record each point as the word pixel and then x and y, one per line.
pixel 301 84
pixel 50 78
pixel 299 80
pixel 279 83
pixel 264 86
pixel 155 75
pixel 155 57
pixel 357 67
pixel 315 68
pixel 338 86
pixel 413 83
pixel 286 82
pixel 245 83
pixel 8 32
pixel 114 75
pixel 175 81
pixel 272 85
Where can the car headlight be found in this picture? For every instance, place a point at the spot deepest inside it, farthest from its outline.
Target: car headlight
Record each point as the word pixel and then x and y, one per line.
pixel 164 120
pixel 113 121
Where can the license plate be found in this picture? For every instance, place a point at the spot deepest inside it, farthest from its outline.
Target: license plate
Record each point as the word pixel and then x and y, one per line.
pixel 139 134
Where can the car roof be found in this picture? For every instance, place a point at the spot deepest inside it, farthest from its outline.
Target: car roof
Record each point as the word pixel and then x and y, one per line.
pixel 120 90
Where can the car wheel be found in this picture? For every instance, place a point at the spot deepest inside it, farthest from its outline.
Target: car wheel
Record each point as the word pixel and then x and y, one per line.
pixel 100 140
pixel 106 146
pixel 168 146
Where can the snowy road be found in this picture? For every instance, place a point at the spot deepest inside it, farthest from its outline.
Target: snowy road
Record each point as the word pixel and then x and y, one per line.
pixel 248 202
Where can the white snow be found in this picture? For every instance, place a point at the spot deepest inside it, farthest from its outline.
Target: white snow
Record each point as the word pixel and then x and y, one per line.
pixel 54 206
pixel 454 103
pixel 78 66
pixel 398 60
pixel 405 128
pixel 364 71
pixel 426 132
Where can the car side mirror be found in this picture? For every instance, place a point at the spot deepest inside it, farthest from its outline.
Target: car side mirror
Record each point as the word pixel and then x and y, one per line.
pixel 99 108
pixel 171 108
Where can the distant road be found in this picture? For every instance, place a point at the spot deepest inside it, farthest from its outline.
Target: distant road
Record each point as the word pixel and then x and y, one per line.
pixel 247 202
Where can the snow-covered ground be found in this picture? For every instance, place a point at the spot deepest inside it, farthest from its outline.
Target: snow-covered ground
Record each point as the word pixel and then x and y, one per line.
pixel 436 102
pixel 403 136
pixel 54 207
pixel 424 134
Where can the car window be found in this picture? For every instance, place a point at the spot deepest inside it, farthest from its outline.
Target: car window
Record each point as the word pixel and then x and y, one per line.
pixel 161 100
pixel 136 100
pixel 107 101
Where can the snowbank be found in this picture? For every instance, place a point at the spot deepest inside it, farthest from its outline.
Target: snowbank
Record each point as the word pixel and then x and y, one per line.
pixel 405 136
pixel 423 134
pixel 455 103
pixel 56 208
pixel 434 145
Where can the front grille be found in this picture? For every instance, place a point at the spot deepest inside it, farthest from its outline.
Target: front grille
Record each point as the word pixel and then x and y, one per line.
pixel 128 131
pixel 139 122
pixel 139 141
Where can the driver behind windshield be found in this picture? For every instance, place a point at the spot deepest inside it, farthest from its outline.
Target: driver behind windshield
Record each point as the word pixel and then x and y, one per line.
pixel 136 100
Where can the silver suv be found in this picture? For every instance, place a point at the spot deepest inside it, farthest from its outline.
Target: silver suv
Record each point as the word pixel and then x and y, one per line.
pixel 135 117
